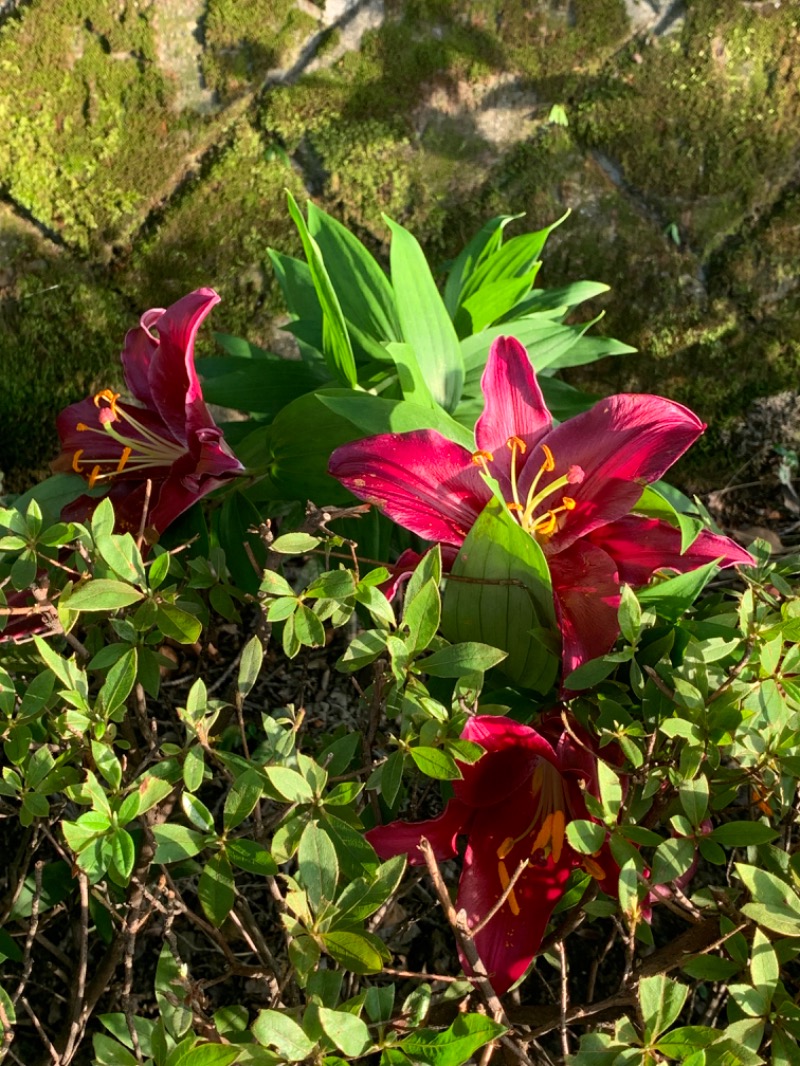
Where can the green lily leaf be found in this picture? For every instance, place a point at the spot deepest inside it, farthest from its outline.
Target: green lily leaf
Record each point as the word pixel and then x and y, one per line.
pixel 505 598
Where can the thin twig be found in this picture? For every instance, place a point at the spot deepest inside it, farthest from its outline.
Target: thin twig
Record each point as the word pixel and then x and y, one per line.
pixel 79 1016
pixel 501 902
pixel 564 999
pixel 33 925
pixel 45 1039
pixel 148 490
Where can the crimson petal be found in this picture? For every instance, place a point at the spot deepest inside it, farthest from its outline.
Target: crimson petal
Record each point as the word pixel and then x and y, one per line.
pixel 421 480
pixel 619 444
pixel 586 589
pixel 510 940
pixel 402 838
pixel 515 406
pixel 174 385
pixel 641 546
pixel 512 752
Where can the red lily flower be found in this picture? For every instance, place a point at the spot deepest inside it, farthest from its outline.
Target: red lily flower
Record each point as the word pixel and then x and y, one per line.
pixel 571 486
pixel 165 435
pixel 513 805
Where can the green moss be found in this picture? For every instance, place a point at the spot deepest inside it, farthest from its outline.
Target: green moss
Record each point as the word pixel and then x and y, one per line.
pixel 244 41
pixel 703 124
pixel 89 133
pixel 217 234
pixel 61 328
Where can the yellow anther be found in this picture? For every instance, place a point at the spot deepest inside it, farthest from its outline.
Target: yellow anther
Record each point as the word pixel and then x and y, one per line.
pixel 126 454
pixel 109 396
pixel 76 460
pixel 557 834
pixel 549 463
pixel 480 457
pixel 81 427
pixel 505 847
pixel 546 524
pixel 544 835
pixel 517 443
pixel 515 508
pixel 569 503
pixel 505 881
pixel 95 474
pixel 594 869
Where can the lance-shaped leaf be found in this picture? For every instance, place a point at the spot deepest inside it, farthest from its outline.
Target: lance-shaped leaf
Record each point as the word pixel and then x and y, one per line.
pixel 424 320
pixel 337 348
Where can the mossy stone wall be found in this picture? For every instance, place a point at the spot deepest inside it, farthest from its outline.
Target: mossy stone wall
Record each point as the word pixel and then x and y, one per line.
pixel 145 148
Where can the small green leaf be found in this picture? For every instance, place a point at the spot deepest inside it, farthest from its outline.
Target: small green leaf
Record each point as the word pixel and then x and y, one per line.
pixel 276 1029
pixel 671 859
pixel 455 1045
pixel 197 812
pixel 743 834
pixel 694 799
pixel 457 660
pixel 661 1001
pixel 244 794
pixel 250 666
pixel 360 952
pixel 764 965
pixel 629 614
pixel 586 837
pixel 215 888
pixel 175 843
pixel 177 624
pixel 318 866
pixel 349 1033
pixel 102 594
pixel 289 784
pixel 194 768
pixel 295 543
pixel 250 856
pixel 119 681
pixel 434 762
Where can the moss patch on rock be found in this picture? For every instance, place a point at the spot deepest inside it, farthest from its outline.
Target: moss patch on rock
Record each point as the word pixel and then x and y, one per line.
pixel 217 233
pixel 702 124
pixel 244 41
pixel 61 331
pixel 89 133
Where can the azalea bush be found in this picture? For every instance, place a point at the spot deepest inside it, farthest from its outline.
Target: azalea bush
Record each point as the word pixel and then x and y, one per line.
pixel 409 717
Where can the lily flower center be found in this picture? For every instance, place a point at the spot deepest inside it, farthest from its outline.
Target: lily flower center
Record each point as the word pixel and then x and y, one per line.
pixel 528 513
pixel 141 447
pixel 546 830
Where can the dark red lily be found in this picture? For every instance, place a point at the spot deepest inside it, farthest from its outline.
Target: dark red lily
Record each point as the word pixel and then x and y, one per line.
pixel 513 806
pixel 165 435
pixel 572 487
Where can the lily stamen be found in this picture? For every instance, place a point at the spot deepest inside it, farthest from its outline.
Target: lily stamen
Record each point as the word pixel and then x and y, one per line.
pixel 516 444
pixel 546 524
pixel 143 451
pixel 482 459
pixel 505 881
